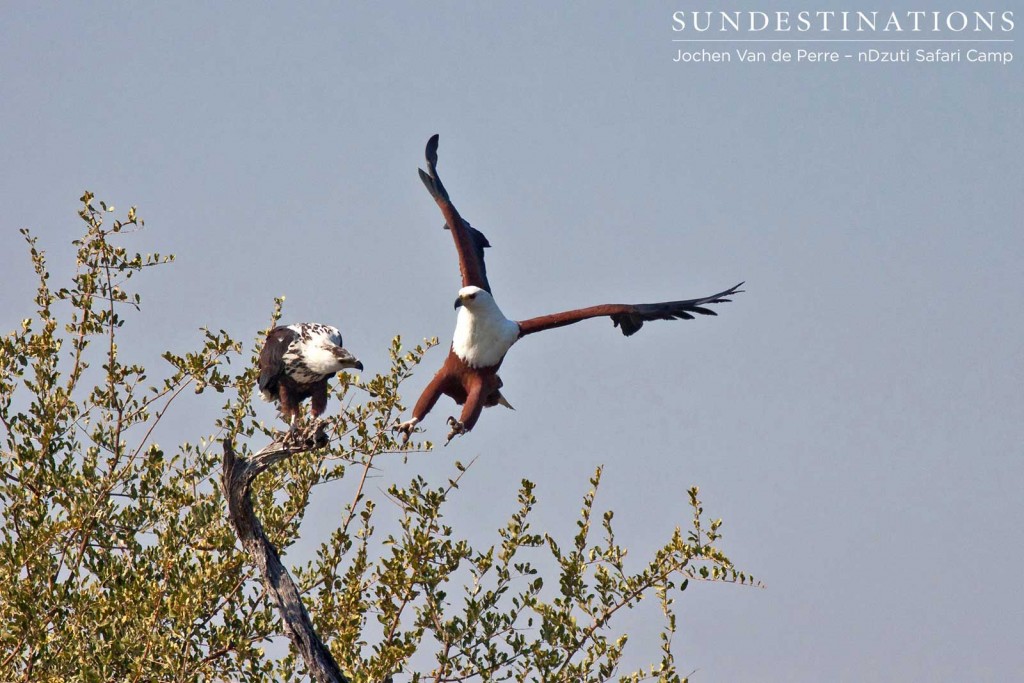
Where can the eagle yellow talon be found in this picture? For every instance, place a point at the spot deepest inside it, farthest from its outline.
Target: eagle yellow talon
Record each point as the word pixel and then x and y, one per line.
pixel 406 429
pixel 457 428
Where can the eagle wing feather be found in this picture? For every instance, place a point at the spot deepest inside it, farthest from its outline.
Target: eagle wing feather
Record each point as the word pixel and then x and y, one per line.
pixel 272 357
pixel 469 242
pixel 629 317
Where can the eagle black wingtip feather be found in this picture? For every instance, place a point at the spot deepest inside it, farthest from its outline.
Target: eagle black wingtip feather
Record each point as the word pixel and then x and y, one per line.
pixel 429 177
pixel 431 151
pixel 428 181
pixel 433 185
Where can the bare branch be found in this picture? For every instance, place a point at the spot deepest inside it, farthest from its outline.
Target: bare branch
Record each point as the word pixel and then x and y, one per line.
pixel 239 473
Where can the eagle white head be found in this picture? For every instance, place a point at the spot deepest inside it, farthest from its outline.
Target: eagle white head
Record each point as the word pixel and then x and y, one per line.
pixel 475 299
pixel 482 333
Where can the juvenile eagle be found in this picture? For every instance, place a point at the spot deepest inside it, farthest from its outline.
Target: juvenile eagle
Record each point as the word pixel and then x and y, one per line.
pixel 296 362
pixel 483 335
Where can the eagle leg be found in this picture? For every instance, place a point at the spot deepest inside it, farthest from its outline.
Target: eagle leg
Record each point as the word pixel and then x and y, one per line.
pixel 426 401
pixel 289 407
pixel 295 430
pixel 318 404
pixel 476 391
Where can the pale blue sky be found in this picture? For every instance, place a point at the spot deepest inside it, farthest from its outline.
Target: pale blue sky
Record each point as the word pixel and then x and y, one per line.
pixel 855 416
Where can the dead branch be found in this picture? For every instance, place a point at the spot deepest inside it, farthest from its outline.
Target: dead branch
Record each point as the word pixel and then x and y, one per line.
pixel 239 473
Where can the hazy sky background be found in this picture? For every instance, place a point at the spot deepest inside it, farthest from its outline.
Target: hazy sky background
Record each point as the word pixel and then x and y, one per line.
pixel 855 416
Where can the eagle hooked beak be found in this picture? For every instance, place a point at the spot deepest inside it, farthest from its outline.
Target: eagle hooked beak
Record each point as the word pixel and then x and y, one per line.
pixel 458 302
pixel 348 361
pixel 357 365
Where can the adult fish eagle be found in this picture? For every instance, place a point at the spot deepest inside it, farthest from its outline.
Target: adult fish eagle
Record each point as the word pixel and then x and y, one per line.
pixel 295 363
pixel 483 335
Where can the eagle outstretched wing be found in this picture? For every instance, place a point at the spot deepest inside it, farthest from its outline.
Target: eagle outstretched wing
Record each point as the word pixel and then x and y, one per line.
pixel 630 317
pixel 272 356
pixel 469 242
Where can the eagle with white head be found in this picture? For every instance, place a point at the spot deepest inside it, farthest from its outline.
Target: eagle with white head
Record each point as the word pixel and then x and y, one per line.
pixel 483 335
pixel 295 364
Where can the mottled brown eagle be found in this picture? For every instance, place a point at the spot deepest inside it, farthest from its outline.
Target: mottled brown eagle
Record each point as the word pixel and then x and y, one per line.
pixel 295 364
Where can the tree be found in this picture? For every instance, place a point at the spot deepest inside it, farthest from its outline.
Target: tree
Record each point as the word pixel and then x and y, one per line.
pixel 118 560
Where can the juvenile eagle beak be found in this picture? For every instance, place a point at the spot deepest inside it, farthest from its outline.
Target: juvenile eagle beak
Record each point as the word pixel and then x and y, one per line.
pixel 354 365
pixel 458 302
pixel 348 361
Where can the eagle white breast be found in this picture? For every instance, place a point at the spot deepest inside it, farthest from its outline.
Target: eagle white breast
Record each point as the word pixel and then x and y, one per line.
pixel 313 352
pixel 310 356
pixel 483 335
